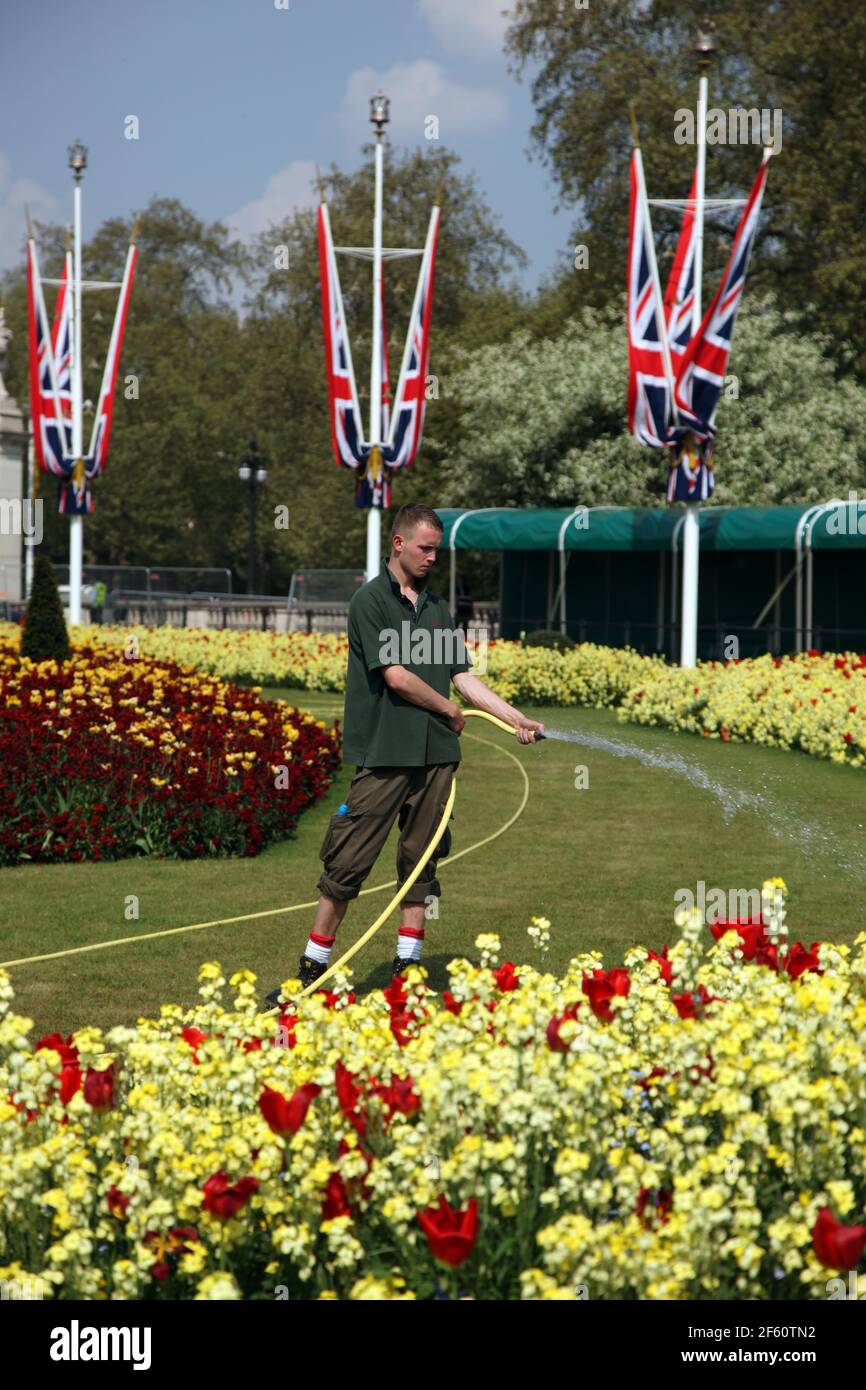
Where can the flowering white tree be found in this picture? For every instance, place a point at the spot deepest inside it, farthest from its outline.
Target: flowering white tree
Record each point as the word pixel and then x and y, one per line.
pixel 543 421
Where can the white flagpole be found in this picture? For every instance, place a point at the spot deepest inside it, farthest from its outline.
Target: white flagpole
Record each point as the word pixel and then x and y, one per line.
pixel 374 514
pixel 76 523
pixel 691 526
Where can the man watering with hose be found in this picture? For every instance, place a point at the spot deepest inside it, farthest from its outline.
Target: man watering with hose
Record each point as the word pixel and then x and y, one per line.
pixel 401 731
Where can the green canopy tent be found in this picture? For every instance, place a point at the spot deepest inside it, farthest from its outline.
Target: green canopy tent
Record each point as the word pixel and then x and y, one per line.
pixel 609 571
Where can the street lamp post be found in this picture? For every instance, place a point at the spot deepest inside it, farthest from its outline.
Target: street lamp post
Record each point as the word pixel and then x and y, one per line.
pixel 379 118
pixel 77 163
pixel 253 474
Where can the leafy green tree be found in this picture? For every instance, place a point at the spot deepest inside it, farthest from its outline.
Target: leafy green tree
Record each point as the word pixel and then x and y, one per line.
pixel 544 420
pixel 799 58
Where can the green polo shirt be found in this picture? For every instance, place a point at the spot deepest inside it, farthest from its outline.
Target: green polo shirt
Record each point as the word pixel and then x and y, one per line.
pixel 380 728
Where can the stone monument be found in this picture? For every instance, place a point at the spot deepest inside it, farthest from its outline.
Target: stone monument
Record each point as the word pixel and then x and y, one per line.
pixel 17 520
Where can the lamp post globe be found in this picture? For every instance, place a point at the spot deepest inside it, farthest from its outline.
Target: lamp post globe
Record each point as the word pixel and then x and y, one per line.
pixel 379 115
pixel 77 159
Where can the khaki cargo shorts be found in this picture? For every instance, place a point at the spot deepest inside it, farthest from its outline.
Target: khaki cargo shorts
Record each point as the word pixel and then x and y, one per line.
pixel 377 796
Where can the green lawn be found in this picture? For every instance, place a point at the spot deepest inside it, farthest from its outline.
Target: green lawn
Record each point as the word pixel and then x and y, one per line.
pixel 603 863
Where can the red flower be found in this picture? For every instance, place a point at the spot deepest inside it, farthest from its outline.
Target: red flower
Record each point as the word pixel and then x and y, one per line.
pixel 167 1248
pixel 70 1082
pixel 194 1037
pixel 837 1246
pixel 348 1095
pixel 285 1115
pixel 399 1096
pixel 117 1202
pixel 286 1030
pixel 336 1200
pixel 661 1201
pixel 687 1004
pixel 99 1088
pixel 330 998
pixel 799 960
pixel 665 966
pixel 450 1234
pixel 648 1080
pixel 554 1041
pixel 225 1199
pixel 749 929
pixel 602 986
pixel 506 977
pixel 452 1005
pixel 56 1043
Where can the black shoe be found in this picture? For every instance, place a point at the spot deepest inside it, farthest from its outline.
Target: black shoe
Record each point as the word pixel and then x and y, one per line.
pixel 309 972
pixel 400 965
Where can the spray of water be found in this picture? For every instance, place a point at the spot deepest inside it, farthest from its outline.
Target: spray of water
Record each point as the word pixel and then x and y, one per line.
pixel 813 836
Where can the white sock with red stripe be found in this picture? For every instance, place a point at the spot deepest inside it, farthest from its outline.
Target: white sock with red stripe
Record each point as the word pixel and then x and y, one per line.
pixel 410 941
pixel 319 947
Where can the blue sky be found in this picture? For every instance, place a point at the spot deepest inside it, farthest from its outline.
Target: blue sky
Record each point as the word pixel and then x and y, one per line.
pixel 236 100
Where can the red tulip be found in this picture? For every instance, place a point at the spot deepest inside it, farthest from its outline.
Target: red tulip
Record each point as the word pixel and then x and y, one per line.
pixel 450 1234
pixel 602 986
pixel 554 1041
pixel 400 1096
pixel 799 960
pixel 665 966
pixel 837 1246
pixel 452 1005
pixel 99 1088
pixel 70 1082
pixel 662 1203
pixel 687 1004
pixel 225 1199
pixel 336 1200
pixel 286 1114
pixel 506 977
pixel 117 1202
pixel 56 1042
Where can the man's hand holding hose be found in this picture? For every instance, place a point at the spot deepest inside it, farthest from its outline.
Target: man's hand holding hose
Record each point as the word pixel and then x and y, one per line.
pixel 482 697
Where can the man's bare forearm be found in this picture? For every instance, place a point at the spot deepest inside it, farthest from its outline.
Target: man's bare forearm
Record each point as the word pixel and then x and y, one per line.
pixel 473 689
pixel 417 692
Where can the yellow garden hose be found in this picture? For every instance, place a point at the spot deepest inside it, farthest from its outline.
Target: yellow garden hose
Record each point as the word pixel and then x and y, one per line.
pixel 403 887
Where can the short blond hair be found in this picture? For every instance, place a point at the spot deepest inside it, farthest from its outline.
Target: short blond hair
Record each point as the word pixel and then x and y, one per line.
pixel 412 515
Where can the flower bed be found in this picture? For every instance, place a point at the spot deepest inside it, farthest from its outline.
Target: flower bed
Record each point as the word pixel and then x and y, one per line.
pixel 103 757
pixel 812 702
pixel 688 1125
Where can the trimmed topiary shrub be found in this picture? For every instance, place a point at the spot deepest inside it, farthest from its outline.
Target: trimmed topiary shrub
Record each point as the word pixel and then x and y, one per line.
pixel 45 637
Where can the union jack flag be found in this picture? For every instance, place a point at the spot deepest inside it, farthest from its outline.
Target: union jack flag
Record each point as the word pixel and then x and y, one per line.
pixel 347 435
pixel 679 297
pixel 401 420
pixel 649 378
pixel 97 454
pixel 50 397
pixel 51 385
pixel 410 398
pixel 701 373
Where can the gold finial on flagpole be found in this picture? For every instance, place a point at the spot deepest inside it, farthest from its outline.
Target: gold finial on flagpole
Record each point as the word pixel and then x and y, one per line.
pixel 632 116
pixel 136 228
pixel 321 184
